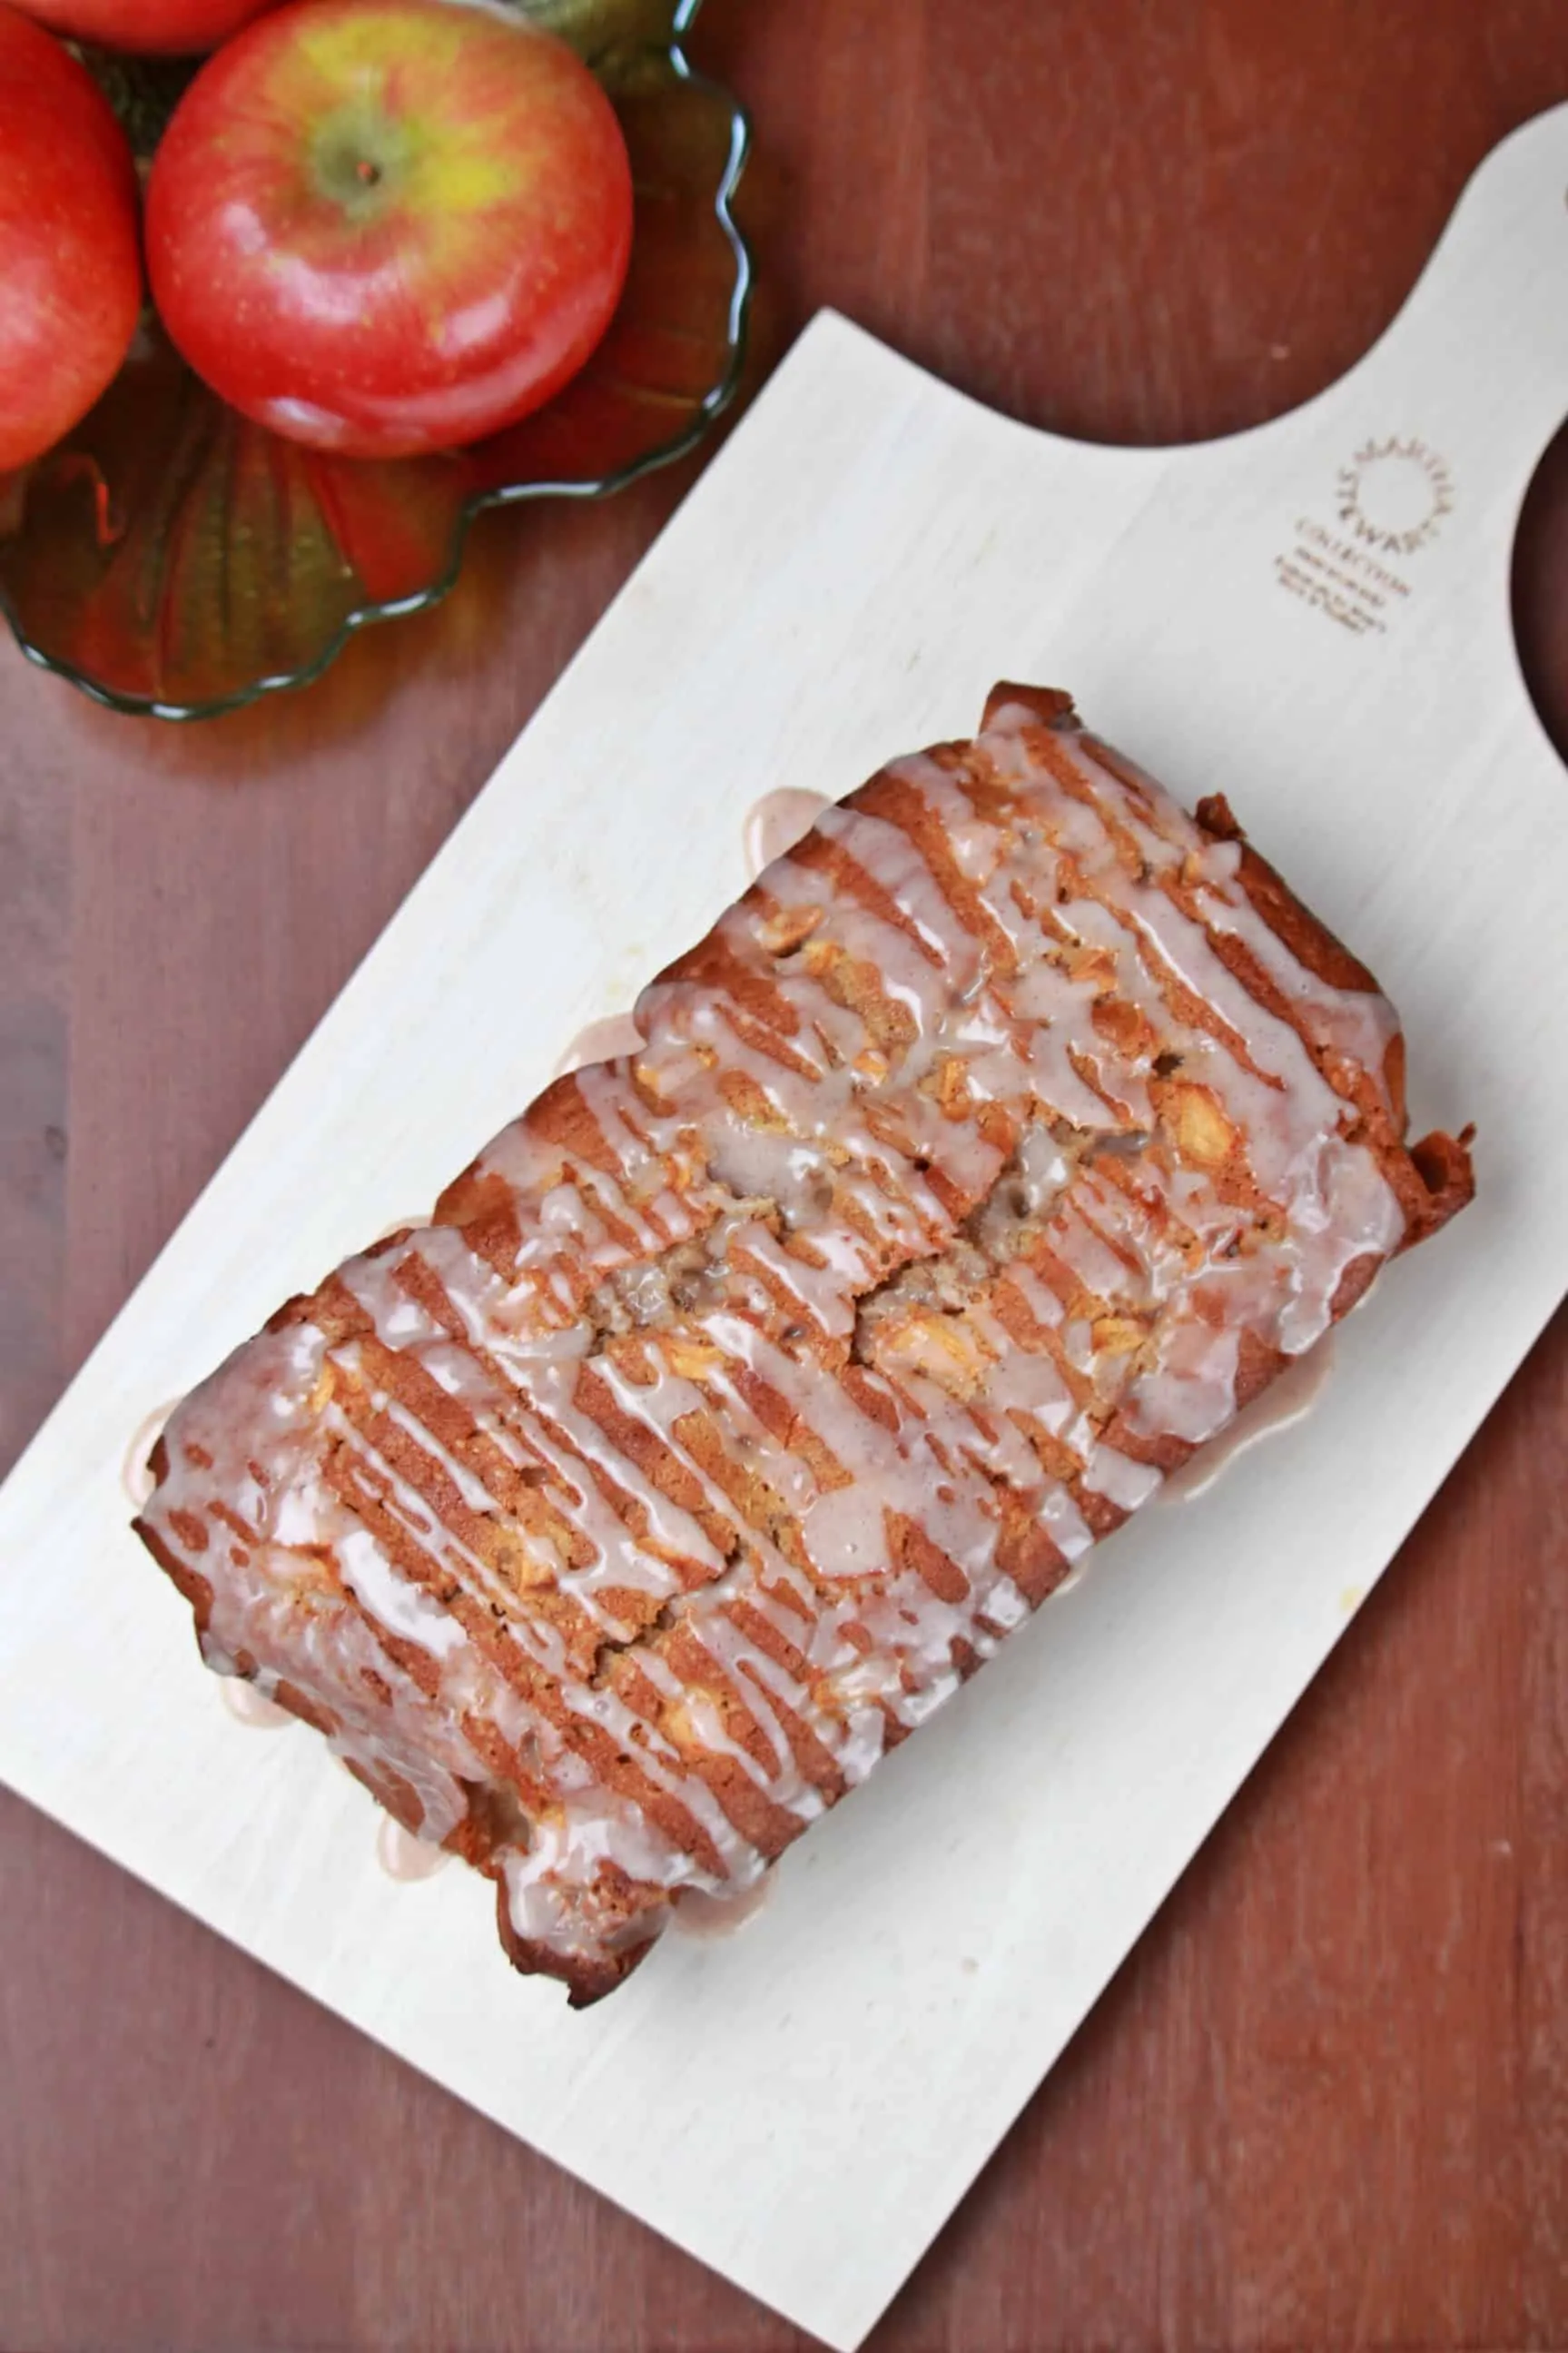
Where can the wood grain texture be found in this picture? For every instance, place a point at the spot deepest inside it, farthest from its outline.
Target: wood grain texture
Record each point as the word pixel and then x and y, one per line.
pixel 1326 2101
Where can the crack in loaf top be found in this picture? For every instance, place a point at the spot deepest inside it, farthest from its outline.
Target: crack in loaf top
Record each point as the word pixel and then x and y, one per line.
pixel 1002 1141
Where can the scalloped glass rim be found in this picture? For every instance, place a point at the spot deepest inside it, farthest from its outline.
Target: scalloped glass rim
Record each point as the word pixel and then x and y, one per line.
pixel 708 410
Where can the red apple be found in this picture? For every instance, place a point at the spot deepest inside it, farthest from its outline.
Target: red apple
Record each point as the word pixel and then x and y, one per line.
pixel 70 275
pixel 389 225
pixel 177 29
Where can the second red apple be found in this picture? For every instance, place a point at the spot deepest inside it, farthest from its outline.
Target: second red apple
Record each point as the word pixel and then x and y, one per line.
pixel 168 27
pixel 71 274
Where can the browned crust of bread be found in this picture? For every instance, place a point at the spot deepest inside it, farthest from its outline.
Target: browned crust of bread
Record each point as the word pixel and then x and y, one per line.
pixel 586 1981
pixel 1049 703
pixel 1441 1163
pixel 1310 940
pixel 189 1582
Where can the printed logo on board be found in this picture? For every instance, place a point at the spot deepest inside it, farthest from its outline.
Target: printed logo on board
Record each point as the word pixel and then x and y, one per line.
pixel 1389 502
pixel 1394 493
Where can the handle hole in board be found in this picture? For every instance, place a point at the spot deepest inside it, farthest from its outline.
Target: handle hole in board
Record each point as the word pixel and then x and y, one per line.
pixel 1540 590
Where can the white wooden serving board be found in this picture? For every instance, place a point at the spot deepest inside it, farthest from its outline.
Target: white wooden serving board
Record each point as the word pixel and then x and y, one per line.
pixel 1312 618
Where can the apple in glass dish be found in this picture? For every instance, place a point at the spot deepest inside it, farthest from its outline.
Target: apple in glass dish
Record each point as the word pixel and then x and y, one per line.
pixel 389 226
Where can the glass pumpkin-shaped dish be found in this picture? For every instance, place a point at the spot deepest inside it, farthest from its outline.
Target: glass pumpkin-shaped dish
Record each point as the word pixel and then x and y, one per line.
pixel 170 557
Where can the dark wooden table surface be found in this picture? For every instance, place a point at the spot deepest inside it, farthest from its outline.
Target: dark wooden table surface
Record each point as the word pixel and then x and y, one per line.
pixel 1326 2101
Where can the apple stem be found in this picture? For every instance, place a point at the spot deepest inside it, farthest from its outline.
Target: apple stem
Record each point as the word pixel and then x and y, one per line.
pixel 366 172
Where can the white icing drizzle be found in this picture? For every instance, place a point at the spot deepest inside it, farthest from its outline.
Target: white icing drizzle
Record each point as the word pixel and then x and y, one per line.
pixel 600 1041
pixel 403 1856
pixel 708 1918
pixel 774 823
pixel 1286 1402
pixel 769 1372
pixel 253 1708
pixel 136 1471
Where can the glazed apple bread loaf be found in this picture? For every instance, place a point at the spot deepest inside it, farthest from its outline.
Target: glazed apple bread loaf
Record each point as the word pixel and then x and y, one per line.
pixel 1008 1135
